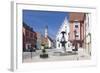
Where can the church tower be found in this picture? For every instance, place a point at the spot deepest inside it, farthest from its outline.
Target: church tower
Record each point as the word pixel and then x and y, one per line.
pixel 46 31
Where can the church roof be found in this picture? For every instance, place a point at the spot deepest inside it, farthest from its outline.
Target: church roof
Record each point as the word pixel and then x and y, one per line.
pixel 65 22
pixel 76 16
pixel 50 38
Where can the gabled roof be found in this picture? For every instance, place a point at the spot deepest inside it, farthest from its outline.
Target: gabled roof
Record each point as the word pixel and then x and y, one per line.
pixel 46 39
pixel 76 16
pixel 62 25
pixel 50 38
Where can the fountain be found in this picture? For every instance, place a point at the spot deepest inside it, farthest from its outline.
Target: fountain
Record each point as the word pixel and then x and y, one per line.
pixel 63 41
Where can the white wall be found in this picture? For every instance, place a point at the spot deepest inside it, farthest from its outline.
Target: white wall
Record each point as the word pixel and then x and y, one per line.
pixel 63 27
pixel 5 37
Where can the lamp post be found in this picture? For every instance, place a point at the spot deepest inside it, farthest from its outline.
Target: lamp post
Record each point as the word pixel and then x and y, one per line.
pixel 63 41
pixel 30 47
pixel 75 42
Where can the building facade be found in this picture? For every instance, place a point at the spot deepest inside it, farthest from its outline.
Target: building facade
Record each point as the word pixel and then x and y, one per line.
pixel 76 34
pixel 38 40
pixel 63 28
pixel 78 25
pixel 87 39
pixel 29 37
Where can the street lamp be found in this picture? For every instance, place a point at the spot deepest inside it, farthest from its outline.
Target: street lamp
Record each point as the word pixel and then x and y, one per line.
pixel 63 41
pixel 75 42
pixel 30 47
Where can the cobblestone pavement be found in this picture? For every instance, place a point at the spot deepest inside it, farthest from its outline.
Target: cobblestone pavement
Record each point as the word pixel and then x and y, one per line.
pixel 55 55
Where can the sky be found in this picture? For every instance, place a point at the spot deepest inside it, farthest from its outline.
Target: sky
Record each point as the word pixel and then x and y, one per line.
pixel 39 19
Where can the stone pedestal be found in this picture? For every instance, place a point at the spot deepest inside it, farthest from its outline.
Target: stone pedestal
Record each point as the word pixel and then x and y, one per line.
pixel 44 54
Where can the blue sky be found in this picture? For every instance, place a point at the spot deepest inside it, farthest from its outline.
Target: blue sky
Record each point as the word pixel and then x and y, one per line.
pixel 39 19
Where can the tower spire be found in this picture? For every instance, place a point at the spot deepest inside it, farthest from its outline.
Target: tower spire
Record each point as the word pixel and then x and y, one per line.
pixel 46 31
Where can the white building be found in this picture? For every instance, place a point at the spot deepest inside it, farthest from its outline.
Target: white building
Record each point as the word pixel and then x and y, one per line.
pixel 88 33
pixel 64 27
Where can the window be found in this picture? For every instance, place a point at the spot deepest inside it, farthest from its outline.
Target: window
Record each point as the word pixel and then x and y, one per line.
pixel 76 26
pixel 27 33
pixel 77 35
pixel 59 45
pixel 58 40
pixel 65 26
pixel 31 35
